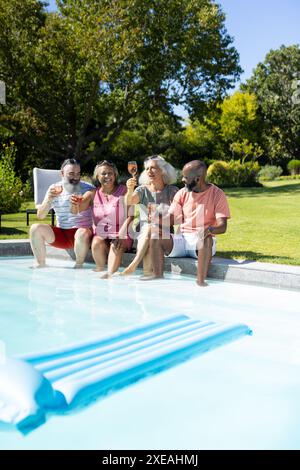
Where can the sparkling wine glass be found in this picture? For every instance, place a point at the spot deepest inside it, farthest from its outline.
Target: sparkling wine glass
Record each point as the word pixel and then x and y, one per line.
pixel 132 168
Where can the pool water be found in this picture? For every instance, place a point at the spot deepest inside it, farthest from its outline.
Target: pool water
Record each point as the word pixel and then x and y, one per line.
pixel 244 395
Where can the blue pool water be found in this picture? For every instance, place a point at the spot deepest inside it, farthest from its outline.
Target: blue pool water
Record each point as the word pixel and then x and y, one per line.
pixel 244 395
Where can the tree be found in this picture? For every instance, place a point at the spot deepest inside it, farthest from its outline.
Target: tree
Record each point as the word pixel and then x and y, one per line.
pixel 80 75
pixel 200 139
pixel 276 84
pixel 239 124
pixel 152 133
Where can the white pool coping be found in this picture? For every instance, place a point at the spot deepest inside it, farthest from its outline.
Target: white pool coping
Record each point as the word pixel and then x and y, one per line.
pixel 253 272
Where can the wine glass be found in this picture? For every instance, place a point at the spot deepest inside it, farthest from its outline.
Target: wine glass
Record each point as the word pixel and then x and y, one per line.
pixel 58 189
pixel 132 168
pixel 78 197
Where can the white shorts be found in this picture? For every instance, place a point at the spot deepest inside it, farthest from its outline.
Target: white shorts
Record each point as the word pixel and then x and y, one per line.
pixel 185 244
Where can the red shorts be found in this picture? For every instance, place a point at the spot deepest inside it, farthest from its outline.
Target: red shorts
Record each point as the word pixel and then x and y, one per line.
pixel 64 237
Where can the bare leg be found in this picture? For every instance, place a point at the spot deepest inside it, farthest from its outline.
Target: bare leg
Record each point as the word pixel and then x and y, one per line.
pixel 82 244
pixel 100 251
pixel 204 258
pixel 142 247
pixel 114 260
pixel 147 263
pixel 158 247
pixel 40 234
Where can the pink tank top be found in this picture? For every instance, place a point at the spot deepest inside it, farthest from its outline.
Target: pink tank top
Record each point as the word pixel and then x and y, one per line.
pixel 109 212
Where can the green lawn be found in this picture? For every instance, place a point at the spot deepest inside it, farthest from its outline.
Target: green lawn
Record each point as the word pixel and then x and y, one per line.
pixel 264 224
pixel 14 225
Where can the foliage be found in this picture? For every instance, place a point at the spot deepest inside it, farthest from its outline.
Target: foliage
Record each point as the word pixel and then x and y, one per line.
pixel 239 117
pixel 10 185
pixel 269 172
pixel 77 77
pixel 289 177
pixel 199 139
pixel 154 133
pixel 246 150
pixel 294 167
pixel 233 173
pixel 276 84
pixel 239 123
pixel 230 130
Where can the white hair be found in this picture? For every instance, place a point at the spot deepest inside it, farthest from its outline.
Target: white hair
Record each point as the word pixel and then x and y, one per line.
pixel 169 173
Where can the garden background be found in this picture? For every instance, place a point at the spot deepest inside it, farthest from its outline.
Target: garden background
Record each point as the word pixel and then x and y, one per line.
pixel 106 79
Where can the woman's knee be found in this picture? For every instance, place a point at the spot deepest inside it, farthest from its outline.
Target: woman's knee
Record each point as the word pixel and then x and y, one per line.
pixel 98 243
pixel 83 234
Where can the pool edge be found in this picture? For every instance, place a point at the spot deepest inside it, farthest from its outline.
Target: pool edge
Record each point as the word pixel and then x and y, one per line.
pixel 253 272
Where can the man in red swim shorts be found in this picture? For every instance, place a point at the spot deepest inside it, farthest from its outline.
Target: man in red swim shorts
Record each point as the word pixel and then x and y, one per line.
pixel 72 230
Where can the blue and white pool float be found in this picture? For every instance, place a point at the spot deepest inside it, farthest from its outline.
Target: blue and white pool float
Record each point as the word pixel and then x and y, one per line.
pixel 34 386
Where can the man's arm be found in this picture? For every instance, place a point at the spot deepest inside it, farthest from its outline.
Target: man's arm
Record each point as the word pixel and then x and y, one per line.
pixel 219 228
pixel 43 209
pixel 85 202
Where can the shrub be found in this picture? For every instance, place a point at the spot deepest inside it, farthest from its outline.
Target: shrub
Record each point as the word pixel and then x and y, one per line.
pixel 269 172
pixel 289 177
pixel 218 173
pixel 233 173
pixel 294 167
pixel 11 193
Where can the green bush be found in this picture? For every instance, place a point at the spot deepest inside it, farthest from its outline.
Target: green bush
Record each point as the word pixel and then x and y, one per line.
pixel 233 173
pixel 269 172
pixel 294 167
pixel 11 194
pixel 289 177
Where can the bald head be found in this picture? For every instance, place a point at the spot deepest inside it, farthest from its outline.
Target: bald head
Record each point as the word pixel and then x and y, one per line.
pixel 196 167
pixel 193 175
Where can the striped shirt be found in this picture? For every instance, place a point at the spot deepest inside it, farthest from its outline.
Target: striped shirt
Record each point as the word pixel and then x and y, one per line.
pixel 62 207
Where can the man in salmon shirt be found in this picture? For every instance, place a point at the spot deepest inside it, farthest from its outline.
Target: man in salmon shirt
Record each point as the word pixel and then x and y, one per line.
pixel 201 210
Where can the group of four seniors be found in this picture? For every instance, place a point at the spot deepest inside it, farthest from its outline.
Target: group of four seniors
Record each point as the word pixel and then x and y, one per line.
pixel 101 216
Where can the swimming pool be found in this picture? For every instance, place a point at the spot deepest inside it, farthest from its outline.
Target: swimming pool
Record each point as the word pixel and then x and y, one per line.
pixel 244 395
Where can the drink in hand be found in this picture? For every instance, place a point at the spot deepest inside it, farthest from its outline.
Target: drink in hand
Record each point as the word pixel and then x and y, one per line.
pixel 132 168
pixel 58 189
pixel 78 198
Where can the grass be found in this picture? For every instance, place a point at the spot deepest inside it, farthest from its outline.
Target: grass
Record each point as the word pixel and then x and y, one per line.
pixel 14 225
pixel 264 224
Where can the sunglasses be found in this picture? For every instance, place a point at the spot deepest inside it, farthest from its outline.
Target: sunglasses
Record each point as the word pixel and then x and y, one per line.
pixel 106 162
pixel 69 161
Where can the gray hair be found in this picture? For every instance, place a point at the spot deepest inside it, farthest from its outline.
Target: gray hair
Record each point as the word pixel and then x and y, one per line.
pixel 104 163
pixel 169 173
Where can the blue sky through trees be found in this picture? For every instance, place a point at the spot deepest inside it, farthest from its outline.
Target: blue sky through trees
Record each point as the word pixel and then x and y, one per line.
pixel 256 26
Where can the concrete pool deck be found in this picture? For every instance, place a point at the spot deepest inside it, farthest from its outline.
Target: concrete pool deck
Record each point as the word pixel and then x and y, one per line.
pixel 253 272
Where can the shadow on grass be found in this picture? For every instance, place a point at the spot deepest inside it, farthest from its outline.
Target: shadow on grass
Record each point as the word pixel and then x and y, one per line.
pixel 250 256
pixel 12 231
pixel 263 191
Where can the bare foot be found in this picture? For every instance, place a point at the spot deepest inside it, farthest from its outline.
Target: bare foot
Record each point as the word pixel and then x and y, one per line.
pixel 148 273
pixel 98 269
pixel 150 277
pixel 38 266
pixel 105 275
pixel 127 271
pixel 202 283
pixel 78 266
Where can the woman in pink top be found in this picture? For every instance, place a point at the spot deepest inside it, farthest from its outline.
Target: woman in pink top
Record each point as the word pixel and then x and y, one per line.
pixel 110 219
